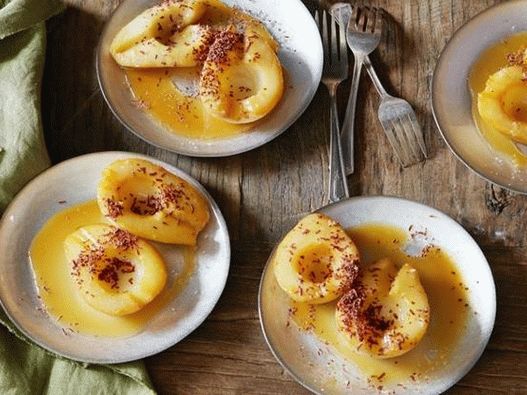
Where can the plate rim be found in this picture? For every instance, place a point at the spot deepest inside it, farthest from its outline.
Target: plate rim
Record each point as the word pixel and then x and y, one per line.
pixel 433 93
pixel 272 135
pixel 435 211
pixel 110 361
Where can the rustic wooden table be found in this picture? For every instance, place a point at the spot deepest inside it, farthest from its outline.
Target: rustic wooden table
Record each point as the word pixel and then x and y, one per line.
pixel 263 192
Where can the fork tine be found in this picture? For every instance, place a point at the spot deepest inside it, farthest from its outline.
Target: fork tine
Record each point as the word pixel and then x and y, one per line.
pixel 357 17
pixel 412 144
pixel 342 39
pixel 396 145
pixel 418 132
pixel 334 44
pixel 404 153
pixel 325 38
pixel 363 19
pixel 371 15
pixel 319 25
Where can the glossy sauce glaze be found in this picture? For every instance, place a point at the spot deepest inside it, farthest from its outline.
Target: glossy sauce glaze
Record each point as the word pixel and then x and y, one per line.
pixel 59 294
pixel 490 61
pixel 168 95
pixel 446 293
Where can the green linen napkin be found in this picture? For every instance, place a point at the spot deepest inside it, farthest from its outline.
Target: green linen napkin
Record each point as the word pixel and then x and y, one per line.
pixel 24 367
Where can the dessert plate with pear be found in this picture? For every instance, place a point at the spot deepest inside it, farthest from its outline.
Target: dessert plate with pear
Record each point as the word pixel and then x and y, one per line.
pixel 377 295
pixel 209 77
pixel 114 257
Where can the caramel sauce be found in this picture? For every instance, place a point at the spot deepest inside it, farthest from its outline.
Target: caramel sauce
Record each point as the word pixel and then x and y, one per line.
pixel 57 289
pixel 490 61
pixel 446 293
pixel 177 108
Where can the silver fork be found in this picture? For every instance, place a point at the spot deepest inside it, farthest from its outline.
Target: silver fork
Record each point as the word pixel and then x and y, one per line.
pixel 335 71
pixel 396 115
pixel 399 123
pixel 363 35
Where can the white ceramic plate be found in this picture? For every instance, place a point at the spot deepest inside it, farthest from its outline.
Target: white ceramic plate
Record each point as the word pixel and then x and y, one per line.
pixel 451 99
pixel 75 181
pixel 298 351
pixel 301 55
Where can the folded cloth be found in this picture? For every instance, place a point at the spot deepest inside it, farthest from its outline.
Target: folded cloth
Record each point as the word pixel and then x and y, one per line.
pixel 24 367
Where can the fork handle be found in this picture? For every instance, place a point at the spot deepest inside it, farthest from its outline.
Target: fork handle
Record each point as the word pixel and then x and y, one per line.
pixel 348 127
pixel 374 77
pixel 338 185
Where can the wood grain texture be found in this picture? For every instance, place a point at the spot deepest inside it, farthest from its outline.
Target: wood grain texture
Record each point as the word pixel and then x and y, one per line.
pixel 263 192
